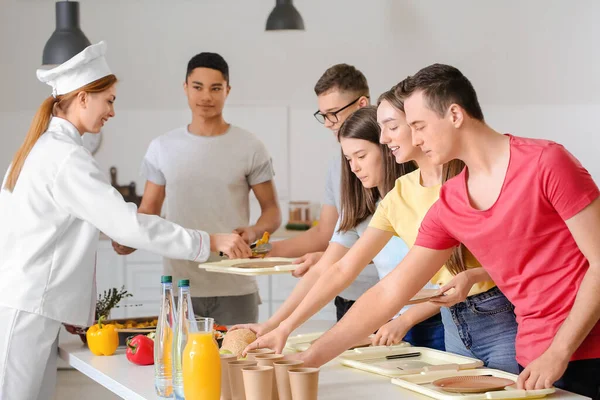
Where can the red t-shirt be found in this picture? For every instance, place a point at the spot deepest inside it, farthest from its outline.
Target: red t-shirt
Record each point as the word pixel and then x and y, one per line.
pixel 522 241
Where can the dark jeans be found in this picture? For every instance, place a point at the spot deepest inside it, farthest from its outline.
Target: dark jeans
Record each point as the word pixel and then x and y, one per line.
pixel 342 306
pixel 581 377
pixel 429 333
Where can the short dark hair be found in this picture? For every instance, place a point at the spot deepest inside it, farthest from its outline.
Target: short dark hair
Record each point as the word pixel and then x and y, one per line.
pixel 345 78
pixel 208 60
pixel 443 85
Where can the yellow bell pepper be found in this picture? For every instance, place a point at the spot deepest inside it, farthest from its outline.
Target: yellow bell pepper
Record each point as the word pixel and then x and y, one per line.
pixel 102 339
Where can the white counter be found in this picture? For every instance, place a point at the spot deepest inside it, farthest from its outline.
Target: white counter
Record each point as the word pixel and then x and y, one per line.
pixel 133 382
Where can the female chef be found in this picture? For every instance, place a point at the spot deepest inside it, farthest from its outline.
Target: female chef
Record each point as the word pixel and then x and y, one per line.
pixel 54 200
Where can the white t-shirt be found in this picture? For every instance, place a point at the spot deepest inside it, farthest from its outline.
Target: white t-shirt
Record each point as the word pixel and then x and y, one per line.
pixel 368 277
pixel 208 180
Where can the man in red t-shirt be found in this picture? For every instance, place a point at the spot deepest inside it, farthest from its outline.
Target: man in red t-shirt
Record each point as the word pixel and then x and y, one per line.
pixel 527 210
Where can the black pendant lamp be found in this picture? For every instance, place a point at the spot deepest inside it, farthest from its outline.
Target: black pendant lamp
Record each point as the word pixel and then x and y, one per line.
pixel 284 17
pixel 68 38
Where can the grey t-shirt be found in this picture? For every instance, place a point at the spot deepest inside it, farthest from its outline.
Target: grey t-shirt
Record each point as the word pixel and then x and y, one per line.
pixel 208 182
pixel 369 276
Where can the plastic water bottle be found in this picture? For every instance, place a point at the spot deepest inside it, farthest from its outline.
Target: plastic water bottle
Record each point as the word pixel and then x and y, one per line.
pixel 163 341
pixel 185 314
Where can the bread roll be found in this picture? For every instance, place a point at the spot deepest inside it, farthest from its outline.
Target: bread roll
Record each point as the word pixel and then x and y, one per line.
pixel 237 340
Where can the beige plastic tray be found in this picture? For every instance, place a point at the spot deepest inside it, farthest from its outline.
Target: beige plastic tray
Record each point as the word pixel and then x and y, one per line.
pixel 281 265
pixel 302 343
pixel 423 383
pixel 430 360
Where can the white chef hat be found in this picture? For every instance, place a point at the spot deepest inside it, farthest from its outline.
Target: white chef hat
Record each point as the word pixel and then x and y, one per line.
pixel 85 67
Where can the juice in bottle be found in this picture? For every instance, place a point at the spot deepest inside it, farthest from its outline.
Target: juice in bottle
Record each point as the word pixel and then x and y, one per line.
pixel 185 314
pixel 201 362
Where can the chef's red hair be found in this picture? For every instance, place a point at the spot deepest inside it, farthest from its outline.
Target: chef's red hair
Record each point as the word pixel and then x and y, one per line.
pixel 42 119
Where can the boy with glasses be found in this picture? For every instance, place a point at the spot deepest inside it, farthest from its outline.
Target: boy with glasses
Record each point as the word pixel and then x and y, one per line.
pixel 340 91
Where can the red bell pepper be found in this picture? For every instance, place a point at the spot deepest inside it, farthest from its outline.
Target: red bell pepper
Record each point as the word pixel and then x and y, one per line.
pixel 140 350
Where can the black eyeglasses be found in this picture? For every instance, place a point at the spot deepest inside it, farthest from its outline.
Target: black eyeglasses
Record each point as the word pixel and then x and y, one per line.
pixel 332 116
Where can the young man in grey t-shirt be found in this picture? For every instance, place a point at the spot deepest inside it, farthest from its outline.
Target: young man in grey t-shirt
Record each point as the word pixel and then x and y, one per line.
pixel 205 171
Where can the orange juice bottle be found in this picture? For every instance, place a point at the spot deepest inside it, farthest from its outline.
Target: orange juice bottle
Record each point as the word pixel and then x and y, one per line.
pixel 201 362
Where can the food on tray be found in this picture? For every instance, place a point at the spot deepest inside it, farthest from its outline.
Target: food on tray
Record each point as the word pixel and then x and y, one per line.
pixel 132 324
pixel 221 328
pixel 264 239
pixel 237 340
pixel 219 331
pixel 257 251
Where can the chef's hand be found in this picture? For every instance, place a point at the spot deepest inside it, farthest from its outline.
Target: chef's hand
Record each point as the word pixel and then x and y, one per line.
pixel 258 329
pixel 122 250
pixel 71 329
pixel 305 262
pixel 455 291
pixel 391 333
pixel 230 244
pixel 247 234
pixel 542 372
pixel 274 340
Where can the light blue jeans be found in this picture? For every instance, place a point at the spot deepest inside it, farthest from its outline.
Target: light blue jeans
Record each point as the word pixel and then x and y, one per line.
pixel 483 327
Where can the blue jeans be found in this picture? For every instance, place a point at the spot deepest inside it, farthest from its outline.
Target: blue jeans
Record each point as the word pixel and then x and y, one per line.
pixel 483 327
pixel 429 333
pixel 581 377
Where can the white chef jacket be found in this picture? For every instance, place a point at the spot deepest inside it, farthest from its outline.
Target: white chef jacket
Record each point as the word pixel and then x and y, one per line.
pixel 49 229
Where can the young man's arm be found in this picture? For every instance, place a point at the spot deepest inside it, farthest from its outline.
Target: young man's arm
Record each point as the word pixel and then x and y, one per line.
pixel 313 240
pixel 551 365
pixel 377 305
pixel 331 282
pixel 270 216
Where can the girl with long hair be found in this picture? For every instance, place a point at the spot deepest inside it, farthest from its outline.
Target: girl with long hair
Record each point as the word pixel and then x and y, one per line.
pixel 369 171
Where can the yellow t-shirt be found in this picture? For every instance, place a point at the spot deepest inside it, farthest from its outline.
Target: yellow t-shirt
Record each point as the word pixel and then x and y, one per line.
pixel 401 212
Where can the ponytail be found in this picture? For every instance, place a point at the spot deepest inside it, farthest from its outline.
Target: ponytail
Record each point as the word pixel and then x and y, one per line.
pixel 40 122
pixel 36 129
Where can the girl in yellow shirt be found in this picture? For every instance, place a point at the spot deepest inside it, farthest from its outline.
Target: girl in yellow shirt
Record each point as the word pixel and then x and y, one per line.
pixel 482 326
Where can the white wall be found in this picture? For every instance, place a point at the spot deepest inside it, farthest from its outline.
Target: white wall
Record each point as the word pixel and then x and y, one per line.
pixel 534 63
